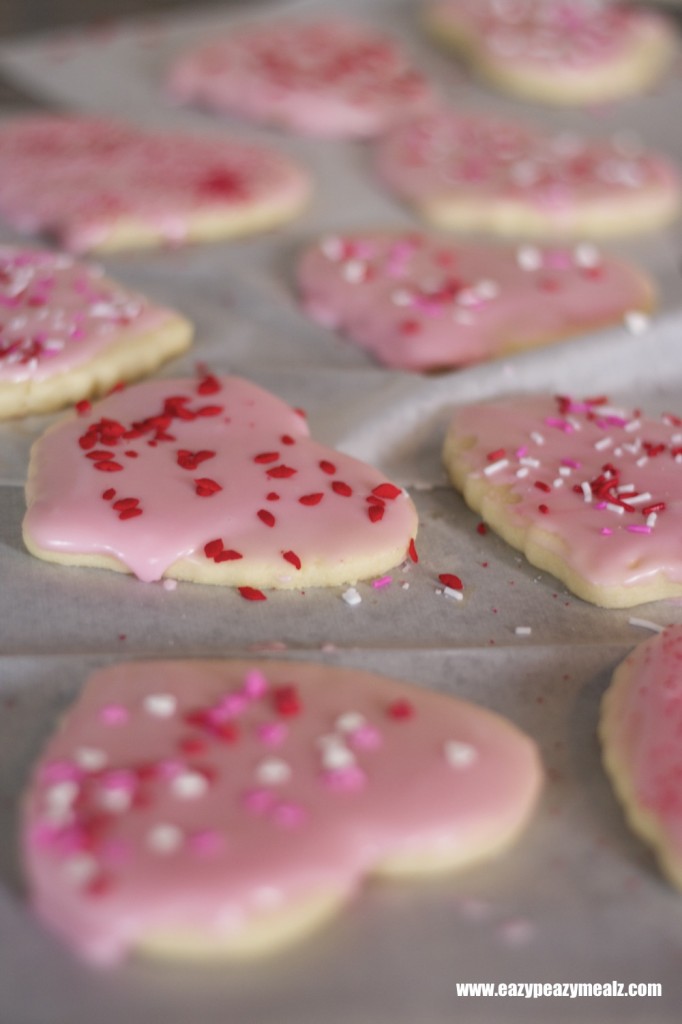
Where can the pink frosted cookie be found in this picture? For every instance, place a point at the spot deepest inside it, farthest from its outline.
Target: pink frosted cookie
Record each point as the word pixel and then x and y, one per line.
pixel 96 184
pixel 590 492
pixel 553 51
pixel 473 171
pixel 225 808
pixel 418 302
pixel 67 332
pixel 325 77
pixel 640 729
pixel 215 481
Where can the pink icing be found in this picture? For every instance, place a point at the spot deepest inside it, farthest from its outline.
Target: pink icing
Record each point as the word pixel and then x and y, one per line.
pixel 208 471
pixel 644 732
pixel 476 158
pixel 418 302
pixel 606 481
pixel 320 77
pixel 56 313
pixel 125 848
pixel 555 36
pixel 76 177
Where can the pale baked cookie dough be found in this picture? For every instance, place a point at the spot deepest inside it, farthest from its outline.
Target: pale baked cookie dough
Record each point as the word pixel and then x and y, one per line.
pixel 96 184
pixel 205 808
pixel 587 491
pixel 477 172
pixel 329 77
pixel 214 481
pixel 417 301
pixel 550 51
pixel 67 332
pixel 640 727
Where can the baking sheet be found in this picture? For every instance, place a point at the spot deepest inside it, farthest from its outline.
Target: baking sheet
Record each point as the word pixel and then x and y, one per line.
pixel 578 898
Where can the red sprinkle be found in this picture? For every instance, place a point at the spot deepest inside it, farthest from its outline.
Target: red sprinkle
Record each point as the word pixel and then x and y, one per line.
pixel 98 455
pixel 191 460
pixel 266 517
pixel 542 486
pixel 286 700
pixel 213 548
pixel 251 594
pixel 130 513
pixel 291 556
pixel 281 472
pixel 83 407
pixel 107 466
pixel 123 504
pixel 401 710
pixel 448 579
pixel 205 487
pixel 386 490
pixel 208 385
pixel 266 457
pixel 482 529
pixel 327 467
pixel 499 453
pixel 412 551
pixel 272 496
pixel 210 410
pixel 109 494
pixel 311 499
pixel 375 513
pixel 339 487
pixel 287 439
pixel 544 509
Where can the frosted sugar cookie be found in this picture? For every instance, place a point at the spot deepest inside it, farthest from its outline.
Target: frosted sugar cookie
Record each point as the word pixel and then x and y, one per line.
pixel 326 77
pixel 419 302
pixel 588 491
pixel 472 171
pixel 96 184
pixel 211 480
pixel 640 734
pixel 68 332
pixel 586 51
pixel 192 809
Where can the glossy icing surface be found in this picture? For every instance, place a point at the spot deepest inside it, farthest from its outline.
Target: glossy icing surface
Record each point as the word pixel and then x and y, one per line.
pixel 480 158
pixel 201 794
pixel 550 35
pixel 417 301
pixel 207 470
pixel 327 77
pixel 641 728
pixel 57 313
pixel 78 177
pixel 605 481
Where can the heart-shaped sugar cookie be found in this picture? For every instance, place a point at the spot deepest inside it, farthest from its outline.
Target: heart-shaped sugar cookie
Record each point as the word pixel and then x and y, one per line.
pixel 588 491
pixel 473 171
pixel 98 184
pixel 419 302
pixel 222 808
pixel 640 732
pixel 212 480
pixel 550 51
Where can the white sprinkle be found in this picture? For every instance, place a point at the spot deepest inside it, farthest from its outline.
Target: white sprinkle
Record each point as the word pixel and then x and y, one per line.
pixel 402 297
pixel 164 838
pixel 529 257
pixel 90 759
pixel 103 309
pixel 632 425
pixel 495 467
pixel 115 800
pixel 639 499
pixel 636 322
pixel 603 443
pixel 189 785
pixel 521 473
pixel 528 460
pixel 162 705
pixel 80 869
pixel 405 586
pixel 350 721
pixel 62 794
pixel 587 255
pixel 457 595
pixel 537 437
pixel 643 461
pixel 523 630
pixel 646 624
pixel 565 471
pixel 458 754
pixel 273 771
pixel 332 248
pixel 651 520
pixel 351 597
pixel 170 584
pixel 618 509
pixel 354 271
pixel 487 289
pixel 337 756
pixel 558 482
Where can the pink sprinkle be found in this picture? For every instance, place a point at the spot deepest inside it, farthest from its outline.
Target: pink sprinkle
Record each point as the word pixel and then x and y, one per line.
pixel 345 780
pixel 232 704
pixel 60 771
pixel 120 779
pixel 572 463
pixel 383 581
pixel 255 684
pixel 521 452
pixel 42 835
pixel 114 714
pixel 554 421
pixel 272 733
pixel 606 531
pixel 289 815
pixel 365 737
pixel 638 529
pixel 207 843
pixel 258 801
pixel 169 768
pixel 599 506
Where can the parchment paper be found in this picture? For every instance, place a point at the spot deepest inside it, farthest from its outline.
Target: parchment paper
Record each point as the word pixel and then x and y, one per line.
pixel 578 898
